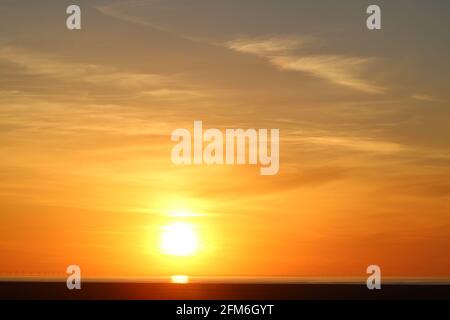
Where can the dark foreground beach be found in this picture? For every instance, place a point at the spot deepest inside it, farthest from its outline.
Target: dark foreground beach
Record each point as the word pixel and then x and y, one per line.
pixel 217 291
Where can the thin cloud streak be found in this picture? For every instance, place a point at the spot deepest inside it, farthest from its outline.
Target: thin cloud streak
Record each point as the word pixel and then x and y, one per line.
pixel 427 98
pixel 281 52
pixel 36 64
pixel 362 144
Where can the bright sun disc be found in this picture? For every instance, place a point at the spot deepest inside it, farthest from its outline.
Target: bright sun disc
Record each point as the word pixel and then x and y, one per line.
pixel 179 239
pixel 179 279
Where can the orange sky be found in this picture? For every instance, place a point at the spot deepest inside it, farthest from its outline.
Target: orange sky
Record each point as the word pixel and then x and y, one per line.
pixel 86 117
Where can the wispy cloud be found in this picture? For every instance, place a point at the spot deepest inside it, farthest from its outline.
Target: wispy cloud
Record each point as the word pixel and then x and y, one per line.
pixel 428 98
pixel 267 47
pixel 335 68
pixel 282 52
pixel 118 10
pixel 362 144
pixel 175 94
pixel 114 83
pixel 113 10
pixel 37 64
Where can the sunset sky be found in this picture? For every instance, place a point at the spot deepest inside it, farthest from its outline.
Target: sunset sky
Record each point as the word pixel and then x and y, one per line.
pixel 86 116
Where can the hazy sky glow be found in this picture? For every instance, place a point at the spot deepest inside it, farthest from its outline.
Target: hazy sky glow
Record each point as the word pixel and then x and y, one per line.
pixel 86 116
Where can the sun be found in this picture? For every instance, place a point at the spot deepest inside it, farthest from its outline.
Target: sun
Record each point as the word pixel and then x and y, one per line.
pixel 179 279
pixel 179 239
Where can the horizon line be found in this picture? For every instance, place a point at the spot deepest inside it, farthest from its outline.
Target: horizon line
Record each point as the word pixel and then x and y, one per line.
pixel 241 280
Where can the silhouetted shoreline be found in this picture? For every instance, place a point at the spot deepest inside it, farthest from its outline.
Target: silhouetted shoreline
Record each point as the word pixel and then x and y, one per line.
pixel 12 290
